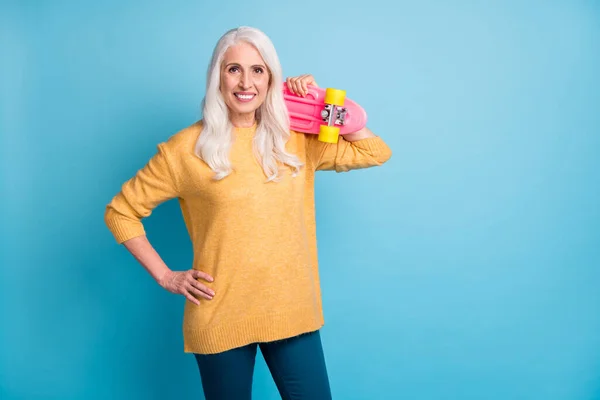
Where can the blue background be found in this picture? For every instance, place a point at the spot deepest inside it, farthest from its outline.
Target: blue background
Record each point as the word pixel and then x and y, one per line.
pixel 467 267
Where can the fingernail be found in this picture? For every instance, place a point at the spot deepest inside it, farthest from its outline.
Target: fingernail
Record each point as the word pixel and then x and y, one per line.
pixel 212 292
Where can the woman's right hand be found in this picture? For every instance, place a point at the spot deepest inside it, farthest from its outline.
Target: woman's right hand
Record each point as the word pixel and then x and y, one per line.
pixel 186 284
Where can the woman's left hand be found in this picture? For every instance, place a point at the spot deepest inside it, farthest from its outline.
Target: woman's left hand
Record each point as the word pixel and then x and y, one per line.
pixel 299 84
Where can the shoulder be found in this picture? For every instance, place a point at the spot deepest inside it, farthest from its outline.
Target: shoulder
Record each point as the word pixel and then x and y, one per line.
pixel 297 142
pixel 298 137
pixel 184 139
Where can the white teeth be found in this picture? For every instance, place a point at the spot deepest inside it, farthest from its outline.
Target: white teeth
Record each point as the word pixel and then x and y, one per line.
pixel 244 96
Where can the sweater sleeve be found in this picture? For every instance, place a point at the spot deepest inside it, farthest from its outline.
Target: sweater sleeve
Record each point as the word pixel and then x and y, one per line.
pixel 150 186
pixel 345 155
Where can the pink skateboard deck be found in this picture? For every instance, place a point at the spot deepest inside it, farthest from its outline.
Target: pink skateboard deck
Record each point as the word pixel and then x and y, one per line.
pixel 306 113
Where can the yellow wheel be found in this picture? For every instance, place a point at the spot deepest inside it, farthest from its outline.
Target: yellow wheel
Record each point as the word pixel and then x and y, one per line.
pixel 335 96
pixel 329 134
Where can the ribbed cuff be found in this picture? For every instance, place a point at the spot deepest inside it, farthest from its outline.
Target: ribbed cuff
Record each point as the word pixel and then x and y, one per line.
pixel 123 229
pixel 374 146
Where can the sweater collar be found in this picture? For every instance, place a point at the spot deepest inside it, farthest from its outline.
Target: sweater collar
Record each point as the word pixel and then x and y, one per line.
pixel 250 129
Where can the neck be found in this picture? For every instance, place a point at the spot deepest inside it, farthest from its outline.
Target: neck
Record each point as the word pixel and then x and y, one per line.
pixel 243 120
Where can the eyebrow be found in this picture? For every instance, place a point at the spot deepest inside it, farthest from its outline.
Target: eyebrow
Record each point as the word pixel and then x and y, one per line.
pixel 239 65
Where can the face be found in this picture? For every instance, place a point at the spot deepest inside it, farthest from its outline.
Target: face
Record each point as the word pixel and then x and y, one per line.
pixel 244 82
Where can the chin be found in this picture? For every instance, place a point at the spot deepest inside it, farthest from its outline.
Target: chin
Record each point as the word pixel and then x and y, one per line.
pixel 246 108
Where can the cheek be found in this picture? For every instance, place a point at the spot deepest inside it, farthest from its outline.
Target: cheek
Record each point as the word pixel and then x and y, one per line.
pixel 227 83
pixel 263 84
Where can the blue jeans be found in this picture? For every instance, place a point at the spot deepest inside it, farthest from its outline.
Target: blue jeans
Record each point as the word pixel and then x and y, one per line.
pixel 297 365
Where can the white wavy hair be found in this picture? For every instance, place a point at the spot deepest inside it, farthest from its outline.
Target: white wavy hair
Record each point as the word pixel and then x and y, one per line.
pixel 273 127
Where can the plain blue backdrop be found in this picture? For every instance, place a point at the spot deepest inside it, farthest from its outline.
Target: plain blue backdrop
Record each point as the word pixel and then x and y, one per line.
pixel 465 268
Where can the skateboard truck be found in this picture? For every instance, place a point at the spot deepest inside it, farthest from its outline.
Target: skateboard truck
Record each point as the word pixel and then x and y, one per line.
pixel 330 111
pixel 334 114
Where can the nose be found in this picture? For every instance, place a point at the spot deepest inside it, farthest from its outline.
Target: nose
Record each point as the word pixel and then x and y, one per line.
pixel 245 80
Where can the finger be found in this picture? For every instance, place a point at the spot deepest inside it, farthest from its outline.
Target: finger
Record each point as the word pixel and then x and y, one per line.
pixel 198 293
pixel 202 275
pixel 192 299
pixel 305 82
pixel 203 288
pixel 292 84
pixel 298 87
pixel 289 84
pixel 308 80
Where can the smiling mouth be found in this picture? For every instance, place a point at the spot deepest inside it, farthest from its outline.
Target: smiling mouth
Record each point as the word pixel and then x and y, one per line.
pixel 245 97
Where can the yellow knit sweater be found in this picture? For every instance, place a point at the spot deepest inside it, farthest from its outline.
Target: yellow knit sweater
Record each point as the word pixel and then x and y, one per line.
pixel 258 240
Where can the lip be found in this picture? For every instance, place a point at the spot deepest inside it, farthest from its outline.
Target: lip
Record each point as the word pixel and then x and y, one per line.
pixel 246 94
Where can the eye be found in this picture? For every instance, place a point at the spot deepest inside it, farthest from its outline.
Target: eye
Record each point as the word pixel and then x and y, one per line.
pixel 259 70
pixel 233 69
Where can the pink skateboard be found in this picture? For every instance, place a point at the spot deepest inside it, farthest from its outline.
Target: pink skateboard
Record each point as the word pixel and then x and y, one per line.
pixel 326 112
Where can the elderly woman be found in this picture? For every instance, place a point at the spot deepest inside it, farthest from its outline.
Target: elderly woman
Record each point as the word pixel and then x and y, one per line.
pixel 245 184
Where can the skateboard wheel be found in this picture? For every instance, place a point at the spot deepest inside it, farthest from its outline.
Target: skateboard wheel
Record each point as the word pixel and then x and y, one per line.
pixel 335 96
pixel 329 134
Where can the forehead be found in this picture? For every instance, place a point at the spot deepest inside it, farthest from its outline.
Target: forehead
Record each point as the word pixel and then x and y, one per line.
pixel 242 53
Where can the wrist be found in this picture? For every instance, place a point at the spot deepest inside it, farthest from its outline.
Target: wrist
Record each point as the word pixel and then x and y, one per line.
pixel 363 133
pixel 164 278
